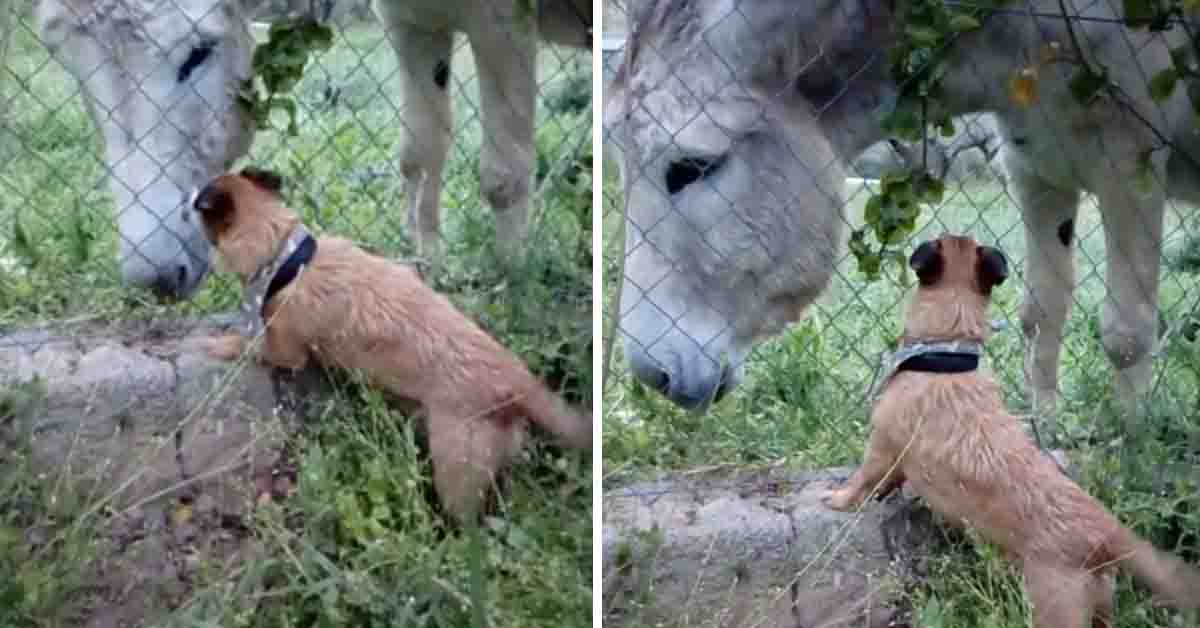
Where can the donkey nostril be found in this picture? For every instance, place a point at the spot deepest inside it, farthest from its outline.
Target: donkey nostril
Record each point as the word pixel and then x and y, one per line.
pixel 661 383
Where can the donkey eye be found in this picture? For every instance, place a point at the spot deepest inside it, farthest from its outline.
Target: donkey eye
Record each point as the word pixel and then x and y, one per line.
pixel 688 170
pixel 199 54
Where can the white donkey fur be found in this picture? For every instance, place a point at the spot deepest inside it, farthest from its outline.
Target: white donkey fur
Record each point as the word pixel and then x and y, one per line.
pixel 168 113
pixel 162 136
pixel 721 81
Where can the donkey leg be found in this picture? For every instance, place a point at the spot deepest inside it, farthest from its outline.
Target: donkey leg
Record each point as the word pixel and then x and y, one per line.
pixel 424 102
pixel 1049 217
pixel 1133 226
pixel 506 58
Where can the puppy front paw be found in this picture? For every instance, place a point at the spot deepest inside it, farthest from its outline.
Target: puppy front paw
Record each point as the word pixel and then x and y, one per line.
pixel 841 499
pixel 228 347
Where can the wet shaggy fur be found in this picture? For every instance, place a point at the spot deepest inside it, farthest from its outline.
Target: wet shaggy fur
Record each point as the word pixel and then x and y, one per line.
pixel 351 309
pixel 950 438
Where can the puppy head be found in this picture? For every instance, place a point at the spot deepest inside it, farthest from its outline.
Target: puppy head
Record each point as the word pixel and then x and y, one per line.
pixel 952 261
pixel 956 276
pixel 244 218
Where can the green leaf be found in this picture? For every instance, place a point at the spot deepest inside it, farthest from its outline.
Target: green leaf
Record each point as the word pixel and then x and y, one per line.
pixel 1139 12
pixel 1181 57
pixel 946 126
pixel 872 211
pixel 930 189
pixel 923 35
pixel 867 260
pixel 23 245
pixel 1162 85
pixel 901 263
pixel 1193 91
pixel 1086 84
pixel 81 238
pixel 932 614
pixel 892 182
pixel 962 23
pixel 904 123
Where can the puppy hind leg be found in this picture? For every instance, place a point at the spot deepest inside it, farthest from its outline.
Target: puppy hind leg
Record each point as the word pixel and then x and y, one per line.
pixel 1060 597
pixel 466 455
pixel 1103 592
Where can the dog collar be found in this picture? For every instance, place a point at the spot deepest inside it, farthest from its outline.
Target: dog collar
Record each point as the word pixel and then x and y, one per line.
pixel 957 356
pixel 296 252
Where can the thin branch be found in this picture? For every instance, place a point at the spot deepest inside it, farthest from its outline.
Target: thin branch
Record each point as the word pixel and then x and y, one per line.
pixel 1062 6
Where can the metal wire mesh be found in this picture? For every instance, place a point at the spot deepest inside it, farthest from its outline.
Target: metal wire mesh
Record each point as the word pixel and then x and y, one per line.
pixel 118 435
pixel 62 252
pixel 684 112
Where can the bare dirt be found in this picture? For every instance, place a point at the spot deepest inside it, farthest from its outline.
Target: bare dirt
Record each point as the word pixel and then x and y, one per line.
pixel 166 449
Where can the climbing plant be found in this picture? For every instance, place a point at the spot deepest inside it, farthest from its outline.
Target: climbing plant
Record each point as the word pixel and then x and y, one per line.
pixel 926 29
pixel 277 67
pixel 917 65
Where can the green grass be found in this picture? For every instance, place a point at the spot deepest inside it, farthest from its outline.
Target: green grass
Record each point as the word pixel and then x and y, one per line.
pixel 360 543
pixel 802 403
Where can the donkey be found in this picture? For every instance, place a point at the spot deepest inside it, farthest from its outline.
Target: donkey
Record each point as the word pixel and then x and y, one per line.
pixel 160 80
pixel 728 242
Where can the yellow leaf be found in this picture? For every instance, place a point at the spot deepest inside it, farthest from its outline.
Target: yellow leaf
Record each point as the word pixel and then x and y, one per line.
pixel 1022 87
pixel 182 514
pixel 1049 53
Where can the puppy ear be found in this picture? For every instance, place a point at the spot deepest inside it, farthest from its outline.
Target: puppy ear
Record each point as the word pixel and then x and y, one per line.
pixel 993 268
pixel 213 202
pixel 927 262
pixel 264 178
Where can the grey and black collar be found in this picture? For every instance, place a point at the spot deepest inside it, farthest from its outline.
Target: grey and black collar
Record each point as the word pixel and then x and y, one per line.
pixel 296 252
pixel 955 356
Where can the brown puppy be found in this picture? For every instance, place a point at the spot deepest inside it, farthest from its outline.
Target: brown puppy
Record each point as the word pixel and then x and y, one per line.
pixel 941 426
pixel 346 308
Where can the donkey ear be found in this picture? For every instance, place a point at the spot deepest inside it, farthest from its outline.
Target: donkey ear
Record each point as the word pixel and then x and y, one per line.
pixel 993 268
pixel 264 178
pixel 927 262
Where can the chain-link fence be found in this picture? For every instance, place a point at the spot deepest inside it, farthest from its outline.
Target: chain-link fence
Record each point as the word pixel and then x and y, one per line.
pixel 113 115
pixel 753 136
pixel 360 138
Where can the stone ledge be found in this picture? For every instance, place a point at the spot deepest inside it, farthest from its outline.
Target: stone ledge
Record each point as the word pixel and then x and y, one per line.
pixel 133 423
pixel 741 549
pixel 137 411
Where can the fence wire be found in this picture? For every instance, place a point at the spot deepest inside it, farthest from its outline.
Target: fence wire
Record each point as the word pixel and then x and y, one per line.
pixel 84 232
pixel 708 117
pixel 133 467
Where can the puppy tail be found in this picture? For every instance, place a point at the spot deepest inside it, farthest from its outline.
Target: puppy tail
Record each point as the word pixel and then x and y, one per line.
pixel 1174 582
pixel 546 409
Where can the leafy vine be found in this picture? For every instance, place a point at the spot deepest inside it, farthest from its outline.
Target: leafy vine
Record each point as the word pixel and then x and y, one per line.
pixel 277 67
pixel 916 64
